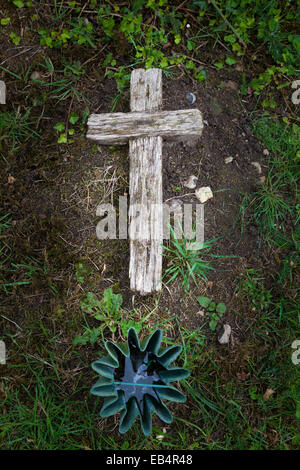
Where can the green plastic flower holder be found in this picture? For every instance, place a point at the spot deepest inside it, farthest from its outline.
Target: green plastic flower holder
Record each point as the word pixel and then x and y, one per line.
pixel 134 380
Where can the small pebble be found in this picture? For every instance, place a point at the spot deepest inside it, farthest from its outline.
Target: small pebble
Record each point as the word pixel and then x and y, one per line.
pixel 266 152
pixel 191 182
pixel 228 159
pixel 191 98
pixel 230 84
pixel 11 179
pixel 224 337
pixel 203 194
pixel 201 313
pixel 257 166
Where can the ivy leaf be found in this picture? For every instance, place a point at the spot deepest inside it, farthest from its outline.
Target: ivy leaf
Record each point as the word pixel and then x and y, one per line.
pixel 73 118
pixel 59 126
pixel 190 45
pixel 18 3
pixel 230 61
pixel 177 38
pixel 62 139
pixel 221 308
pixel 15 38
pixel 204 301
pixel 219 65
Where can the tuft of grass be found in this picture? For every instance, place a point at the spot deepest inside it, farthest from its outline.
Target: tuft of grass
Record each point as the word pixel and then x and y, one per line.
pixel 15 128
pixel 270 210
pixel 185 262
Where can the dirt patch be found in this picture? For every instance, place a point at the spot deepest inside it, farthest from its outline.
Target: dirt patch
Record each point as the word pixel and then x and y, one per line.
pixel 55 194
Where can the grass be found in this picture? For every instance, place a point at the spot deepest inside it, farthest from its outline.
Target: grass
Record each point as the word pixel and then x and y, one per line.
pixel 50 417
pixel 186 262
pixel 15 127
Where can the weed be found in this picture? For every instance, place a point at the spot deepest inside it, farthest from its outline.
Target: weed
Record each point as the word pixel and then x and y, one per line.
pixel 215 311
pixel 66 86
pixel 185 262
pixel 109 312
pixel 77 32
pixel 254 290
pixel 15 128
pixel 270 210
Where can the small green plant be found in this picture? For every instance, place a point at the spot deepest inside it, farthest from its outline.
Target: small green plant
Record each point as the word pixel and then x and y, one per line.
pixel 215 311
pixel 15 38
pixel 77 32
pixel 4 21
pixel 270 209
pixel 65 86
pixel 15 128
pixel 252 288
pixel 64 131
pixel 107 311
pixel 81 272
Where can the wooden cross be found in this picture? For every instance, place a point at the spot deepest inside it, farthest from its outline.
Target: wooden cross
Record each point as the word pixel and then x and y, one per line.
pixel 144 127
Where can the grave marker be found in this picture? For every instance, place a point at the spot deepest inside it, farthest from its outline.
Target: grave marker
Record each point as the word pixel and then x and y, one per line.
pixel 144 127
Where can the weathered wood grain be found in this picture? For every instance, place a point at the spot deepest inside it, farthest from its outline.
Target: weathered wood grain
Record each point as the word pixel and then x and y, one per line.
pixel 145 188
pixel 117 128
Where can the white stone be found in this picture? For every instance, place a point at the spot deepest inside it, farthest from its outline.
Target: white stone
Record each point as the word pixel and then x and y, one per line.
pixel 224 337
pixel 257 166
pixel 191 182
pixel 228 160
pixel 203 194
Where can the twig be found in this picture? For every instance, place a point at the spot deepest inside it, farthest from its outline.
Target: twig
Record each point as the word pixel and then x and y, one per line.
pixel 179 196
pixel 227 22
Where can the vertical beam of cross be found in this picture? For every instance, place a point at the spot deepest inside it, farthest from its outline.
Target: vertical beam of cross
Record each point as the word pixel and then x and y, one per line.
pixel 145 188
pixel 145 127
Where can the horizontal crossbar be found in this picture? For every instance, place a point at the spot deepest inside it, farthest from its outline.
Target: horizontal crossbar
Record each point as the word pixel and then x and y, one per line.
pixel 118 128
